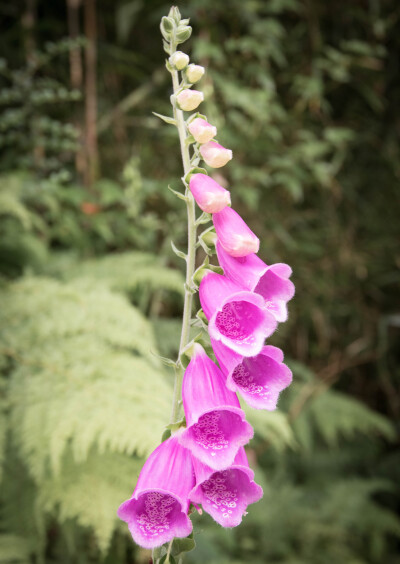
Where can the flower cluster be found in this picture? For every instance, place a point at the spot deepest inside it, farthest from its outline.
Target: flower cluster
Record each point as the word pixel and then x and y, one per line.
pixel 204 461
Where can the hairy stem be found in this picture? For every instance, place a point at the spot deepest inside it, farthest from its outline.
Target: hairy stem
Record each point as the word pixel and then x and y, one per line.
pixel 191 252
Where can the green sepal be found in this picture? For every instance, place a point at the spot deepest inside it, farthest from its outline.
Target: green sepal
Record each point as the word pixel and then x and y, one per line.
pixel 203 218
pixel 175 14
pixel 172 427
pixel 167 119
pixel 178 253
pixel 167 24
pixel 201 319
pixel 189 140
pixel 195 116
pixel 187 353
pixel 183 33
pixel 194 170
pixel 191 289
pixel 207 241
pixel 167 559
pixel 179 546
pixel 165 360
pixel 194 161
pixel 167 47
pixel 204 269
pixel 178 194
pixel 166 435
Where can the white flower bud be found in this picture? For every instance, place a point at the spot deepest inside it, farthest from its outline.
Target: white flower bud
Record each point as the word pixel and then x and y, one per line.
pixel 214 154
pixel 194 73
pixel 179 60
pixel 188 100
pixel 201 130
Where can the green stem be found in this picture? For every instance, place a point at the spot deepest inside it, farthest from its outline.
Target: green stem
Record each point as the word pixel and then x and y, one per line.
pixel 191 251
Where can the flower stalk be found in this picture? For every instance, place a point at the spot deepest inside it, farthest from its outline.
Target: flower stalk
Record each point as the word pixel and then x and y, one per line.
pixel 191 249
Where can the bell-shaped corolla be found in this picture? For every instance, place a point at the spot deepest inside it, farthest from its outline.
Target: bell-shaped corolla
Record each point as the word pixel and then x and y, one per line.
pixel 272 282
pixel 238 318
pixel 258 379
pixel 216 425
pixel 225 494
pixel 158 509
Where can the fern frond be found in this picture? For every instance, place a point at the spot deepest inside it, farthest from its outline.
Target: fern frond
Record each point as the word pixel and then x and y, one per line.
pixel 36 310
pixel 14 549
pixel 76 380
pixel 128 272
pixel 91 492
pixel 272 426
pixel 336 414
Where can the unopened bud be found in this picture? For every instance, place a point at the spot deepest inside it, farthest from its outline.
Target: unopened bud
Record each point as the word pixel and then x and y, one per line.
pixel 179 60
pixel 188 100
pixel 167 24
pixel 194 73
pixel 201 130
pixel 214 154
pixel 183 33
pixel 209 195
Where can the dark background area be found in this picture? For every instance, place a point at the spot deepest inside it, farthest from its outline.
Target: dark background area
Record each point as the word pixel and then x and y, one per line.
pixel 306 94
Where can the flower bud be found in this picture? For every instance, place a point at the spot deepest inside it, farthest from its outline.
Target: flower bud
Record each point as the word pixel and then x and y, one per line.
pixel 188 100
pixel 235 236
pixel 201 130
pixel 179 60
pixel 209 195
pixel 194 73
pixel 183 33
pixel 214 154
pixel 167 25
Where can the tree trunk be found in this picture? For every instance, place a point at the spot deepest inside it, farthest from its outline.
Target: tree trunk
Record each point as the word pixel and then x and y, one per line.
pixel 91 92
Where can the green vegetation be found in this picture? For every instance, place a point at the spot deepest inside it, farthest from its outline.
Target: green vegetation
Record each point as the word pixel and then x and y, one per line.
pixel 305 93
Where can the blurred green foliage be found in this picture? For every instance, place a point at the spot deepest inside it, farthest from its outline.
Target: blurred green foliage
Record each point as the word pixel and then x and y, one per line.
pixel 305 92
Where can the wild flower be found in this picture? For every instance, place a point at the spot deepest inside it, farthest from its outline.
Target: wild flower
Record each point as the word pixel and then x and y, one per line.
pixel 158 509
pixel 236 317
pixel 226 494
pixel 204 461
pixel 215 155
pixel 210 196
pixel 234 235
pixel 215 424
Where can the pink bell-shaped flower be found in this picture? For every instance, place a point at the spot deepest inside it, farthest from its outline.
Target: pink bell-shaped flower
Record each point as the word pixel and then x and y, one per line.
pixel 259 379
pixel 226 494
pixel 272 282
pixel 209 195
pixel 201 130
pixel 214 154
pixel 158 509
pixel 234 234
pixel 237 318
pixel 216 425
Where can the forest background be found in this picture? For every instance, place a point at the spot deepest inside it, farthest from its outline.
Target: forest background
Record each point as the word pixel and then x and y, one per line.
pixel 306 94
